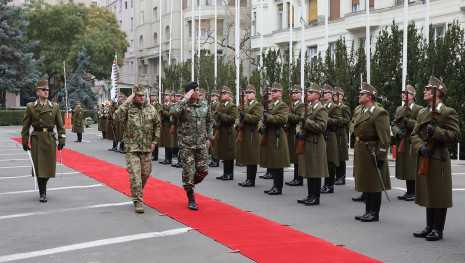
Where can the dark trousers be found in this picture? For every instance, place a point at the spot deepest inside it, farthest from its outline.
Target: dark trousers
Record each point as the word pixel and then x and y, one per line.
pixel 297 177
pixel 228 167
pixel 341 170
pixel 278 177
pixel 115 144
pixel 313 186
pixel 168 153
pixel 373 202
pixel 155 154
pixel 251 172
pixel 175 151
pixel 436 218
pixel 79 136
pixel 329 181
pixel 42 183
pixel 410 187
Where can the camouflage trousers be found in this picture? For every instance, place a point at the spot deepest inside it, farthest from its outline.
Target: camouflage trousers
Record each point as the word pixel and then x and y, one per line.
pixel 193 160
pixel 139 168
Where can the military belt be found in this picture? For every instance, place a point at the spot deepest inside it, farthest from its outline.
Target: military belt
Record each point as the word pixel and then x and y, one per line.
pixel 358 139
pixel 36 129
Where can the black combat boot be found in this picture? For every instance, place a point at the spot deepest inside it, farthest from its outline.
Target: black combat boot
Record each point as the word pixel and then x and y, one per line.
pixel 251 173
pixel 115 146
pixel 439 220
pixel 155 154
pixel 429 224
pixel 315 194
pixel 229 172
pixel 373 208
pixel 267 175
pixel 42 183
pixel 341 174
pixel 191 204
pixel 278 181
pixel 328 187
pixel 410 195
pixel 309 191
pixel 298 180
pixel 368 205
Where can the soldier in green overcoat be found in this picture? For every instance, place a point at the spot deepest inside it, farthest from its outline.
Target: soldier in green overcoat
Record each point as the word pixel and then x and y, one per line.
pixel 165 137
pixel 342 136
pixel 296 110
pixel 406 157
pixel 274 151
pixel 248 138
pixel 155 103
pixel 78 121
pixel 225 118
pixel 43 116
pixel 436 129
pixel 372 139
pixel 332 147
pixel 313 160
pixel 214 145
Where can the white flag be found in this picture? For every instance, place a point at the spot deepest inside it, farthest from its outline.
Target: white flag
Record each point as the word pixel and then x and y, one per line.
pixel 114 79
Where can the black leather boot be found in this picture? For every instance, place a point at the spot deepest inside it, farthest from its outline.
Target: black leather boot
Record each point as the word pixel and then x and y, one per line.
pixel 155 154
pixel 115 146
pixel 267 175
pixel 328 187
pixel 229 170
pixel 373 208
pixel 309 191
pixel 439 220
pixel 191 204
pixel 251 173
pixel 315 192
pixel 341 174
pixel 168 156
pixel 429 224
pixel 42 183
pixel 368 206
pixel 298 180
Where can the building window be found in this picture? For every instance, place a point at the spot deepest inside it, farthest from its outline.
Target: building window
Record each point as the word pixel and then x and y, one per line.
pixel 312 53
pixel 184 4
pixel 254 23
pixel 189 27
pixel 125 4
pixel 313 10
pixel 132 3
pixel 132 24
pixel 141 41
pixel 155 13
pixel 220 26
pixel 280 16
pixel 167 32
pixel 439 31
pixel 155 38
pixel 141 17
pixel 332 50
pixel 334 9
pixel 355 6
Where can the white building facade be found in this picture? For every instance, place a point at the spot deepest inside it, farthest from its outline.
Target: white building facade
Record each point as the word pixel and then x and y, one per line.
pixel 140 20
pixel 346 19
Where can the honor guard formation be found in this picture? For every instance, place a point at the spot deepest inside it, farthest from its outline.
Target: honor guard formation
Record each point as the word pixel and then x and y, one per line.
pixel 198 129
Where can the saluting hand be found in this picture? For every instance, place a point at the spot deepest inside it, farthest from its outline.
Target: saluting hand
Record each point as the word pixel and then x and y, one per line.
pixel 188 95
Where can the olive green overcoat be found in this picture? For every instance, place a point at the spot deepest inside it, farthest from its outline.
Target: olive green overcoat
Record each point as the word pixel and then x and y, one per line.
pixel 247 150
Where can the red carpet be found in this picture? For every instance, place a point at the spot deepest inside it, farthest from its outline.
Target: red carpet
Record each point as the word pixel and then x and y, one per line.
pixel 255 237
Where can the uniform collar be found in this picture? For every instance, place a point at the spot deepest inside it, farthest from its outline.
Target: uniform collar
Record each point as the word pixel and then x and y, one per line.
pixel 296 102
pixel 411 105
pixel 46 102
pixel 314 106
pixel 226 103
pixel 276 102
pixel 370 109
pixel 252 101
pixel 438 107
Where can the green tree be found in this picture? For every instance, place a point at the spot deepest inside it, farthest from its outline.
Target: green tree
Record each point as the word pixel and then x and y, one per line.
pixel 18 68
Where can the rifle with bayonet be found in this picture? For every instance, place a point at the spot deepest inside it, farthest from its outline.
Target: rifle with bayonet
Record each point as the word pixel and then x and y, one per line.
pixel 300 140
pixel 403 122
pixel 266 110
pixel 240 127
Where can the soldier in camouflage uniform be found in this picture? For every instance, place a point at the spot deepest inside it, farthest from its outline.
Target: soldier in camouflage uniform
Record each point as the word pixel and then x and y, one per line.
pixel 154 102
pixel 406 157
pixel 43 116
pixel 78 121
pixel 296 110
pixel 342 136
pixel 248 139
pixel 214 147
pixel 141 137
pixel 195 128
pixel 332 147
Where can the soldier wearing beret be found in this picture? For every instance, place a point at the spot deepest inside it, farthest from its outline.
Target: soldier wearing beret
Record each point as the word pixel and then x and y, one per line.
pixel 274 151
pixel 436 129
pixel 195 130
pixel 313 162
pixel 406 158
pixel 43 116
pixel 142 134
pixel 248 139
pixel 78 121
pixel 296 110
pixel 225 118
pixel 372 139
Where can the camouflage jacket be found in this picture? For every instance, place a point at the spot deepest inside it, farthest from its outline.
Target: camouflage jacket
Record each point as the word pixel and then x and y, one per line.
pixel 194 123
pixel 142 126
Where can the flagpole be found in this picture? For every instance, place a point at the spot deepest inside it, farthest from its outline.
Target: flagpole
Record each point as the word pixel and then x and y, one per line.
pixel 215 69
pixel 327 25
pixel 182 34
pixel 198 44
pixel 404 47
pixel 291 31
pixel 193 41
pixel 367 41
pixel 237 48
pixel 66 89
pixel 262 21
pixel 171 38
pixel 159 55
pixel 302 50
pixel 427 21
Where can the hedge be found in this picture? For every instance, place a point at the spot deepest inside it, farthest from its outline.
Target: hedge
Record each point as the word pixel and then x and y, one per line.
pixel 15 117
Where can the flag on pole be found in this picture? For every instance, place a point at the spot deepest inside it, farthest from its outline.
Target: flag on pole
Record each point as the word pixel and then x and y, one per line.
pixel 114 78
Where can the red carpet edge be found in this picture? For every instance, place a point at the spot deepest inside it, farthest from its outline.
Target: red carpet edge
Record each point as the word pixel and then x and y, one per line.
pixel 255 237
